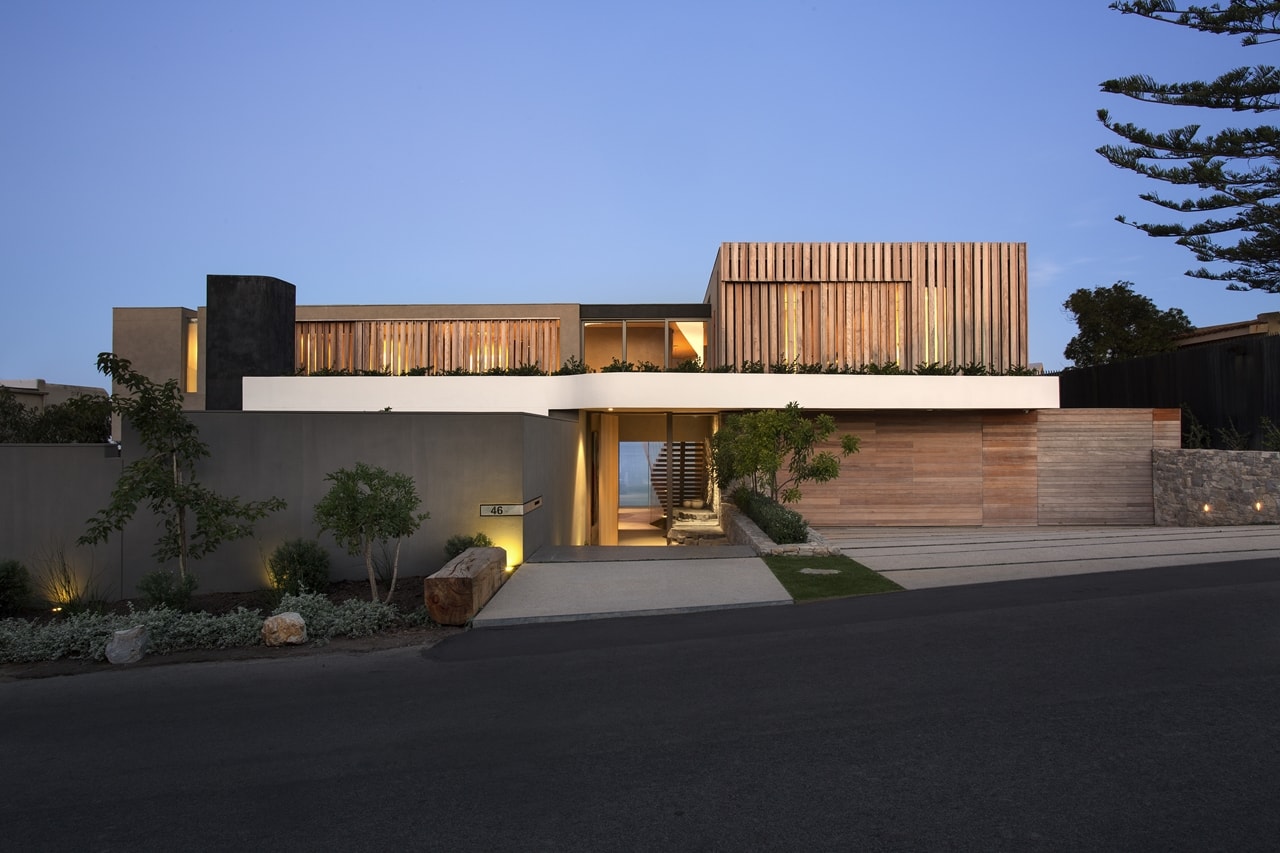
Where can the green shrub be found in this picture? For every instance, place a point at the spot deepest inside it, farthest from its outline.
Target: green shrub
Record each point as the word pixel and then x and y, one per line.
pixel 354 617
pixel 85 634
pixel 166 589
pixel 297 565
pixel 457 544
pixel 15 587
pixel 784 526
pixel 572 367
pixel 1270 434
pixel 692 365
pixel 935 368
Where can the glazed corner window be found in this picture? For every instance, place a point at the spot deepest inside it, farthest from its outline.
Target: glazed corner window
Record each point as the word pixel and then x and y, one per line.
pixel 688 341
pixel 192 371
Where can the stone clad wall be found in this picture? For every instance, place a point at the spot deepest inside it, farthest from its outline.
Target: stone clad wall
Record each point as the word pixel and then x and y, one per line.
pixel 1238 486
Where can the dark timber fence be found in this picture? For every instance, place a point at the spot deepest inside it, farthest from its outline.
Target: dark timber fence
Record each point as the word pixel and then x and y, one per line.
pixel 1226 384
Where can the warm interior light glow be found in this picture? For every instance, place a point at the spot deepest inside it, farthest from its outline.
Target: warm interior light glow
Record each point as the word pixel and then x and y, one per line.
pixel 192 371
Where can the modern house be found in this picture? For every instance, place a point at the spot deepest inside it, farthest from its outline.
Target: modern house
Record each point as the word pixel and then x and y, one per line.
pixel 285 393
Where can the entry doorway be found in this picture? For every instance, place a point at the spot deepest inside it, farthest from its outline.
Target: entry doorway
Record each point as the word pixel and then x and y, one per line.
pixel 649 469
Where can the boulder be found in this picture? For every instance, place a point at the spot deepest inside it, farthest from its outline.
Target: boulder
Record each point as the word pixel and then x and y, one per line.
pixel 127 646
pixel 284 629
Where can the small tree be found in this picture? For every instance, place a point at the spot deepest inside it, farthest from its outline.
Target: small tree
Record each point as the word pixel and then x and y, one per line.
pixel 196 519
pixel 753 446
pixel 1116 324
pixel 367 504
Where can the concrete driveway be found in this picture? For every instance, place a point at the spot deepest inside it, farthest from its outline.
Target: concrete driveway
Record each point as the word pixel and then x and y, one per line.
pixel 924 557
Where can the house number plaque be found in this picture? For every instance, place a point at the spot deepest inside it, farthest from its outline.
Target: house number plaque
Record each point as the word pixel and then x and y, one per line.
pixel 499 510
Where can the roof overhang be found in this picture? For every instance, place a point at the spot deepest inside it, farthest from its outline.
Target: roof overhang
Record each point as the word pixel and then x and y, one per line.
pixel 694 392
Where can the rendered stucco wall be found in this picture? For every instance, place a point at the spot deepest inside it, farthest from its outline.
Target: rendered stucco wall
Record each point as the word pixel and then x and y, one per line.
pixel 47 493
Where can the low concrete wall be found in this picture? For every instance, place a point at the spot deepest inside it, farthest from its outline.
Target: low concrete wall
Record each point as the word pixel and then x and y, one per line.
pixel 740 530
pixel 1237 486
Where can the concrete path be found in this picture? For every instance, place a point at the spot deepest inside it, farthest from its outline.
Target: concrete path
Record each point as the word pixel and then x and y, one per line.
pixel 946 556
pixel 568 584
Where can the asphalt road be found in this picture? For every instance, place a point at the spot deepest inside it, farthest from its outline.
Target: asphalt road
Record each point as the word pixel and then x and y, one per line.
pixel 1129 711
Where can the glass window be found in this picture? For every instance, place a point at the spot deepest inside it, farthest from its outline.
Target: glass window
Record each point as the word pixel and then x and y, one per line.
pixel 601 343
pixel 688 340
pixel 646 341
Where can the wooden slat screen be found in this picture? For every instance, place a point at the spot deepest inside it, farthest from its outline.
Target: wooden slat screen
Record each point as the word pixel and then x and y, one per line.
pixel 397 346
pixel 856 303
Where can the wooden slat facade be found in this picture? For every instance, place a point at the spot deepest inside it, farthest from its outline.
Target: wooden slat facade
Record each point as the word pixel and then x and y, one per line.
pixel 1052 466
pixel 397 346
pixel 851 304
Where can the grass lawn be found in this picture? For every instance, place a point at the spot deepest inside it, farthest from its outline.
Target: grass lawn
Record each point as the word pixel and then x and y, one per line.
pixel 829 577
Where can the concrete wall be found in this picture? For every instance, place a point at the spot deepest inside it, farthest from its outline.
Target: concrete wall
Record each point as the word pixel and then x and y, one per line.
pixel 555 470
pixel 47 493
pixel 1237 486
pixel 155 341
pixel 458 462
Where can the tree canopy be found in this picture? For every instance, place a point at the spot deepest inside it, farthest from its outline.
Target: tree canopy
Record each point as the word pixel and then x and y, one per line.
pixel 83 419
pixel 753 447
pixel 1116 324
pixel 195 519
pixel 367 504
pixel 1237 170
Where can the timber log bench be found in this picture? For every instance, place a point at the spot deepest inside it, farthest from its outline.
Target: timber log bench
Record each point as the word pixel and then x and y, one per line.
pixel 466 583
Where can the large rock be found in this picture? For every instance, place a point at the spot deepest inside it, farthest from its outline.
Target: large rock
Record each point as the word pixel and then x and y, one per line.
pixel 284 629
pixel 127 646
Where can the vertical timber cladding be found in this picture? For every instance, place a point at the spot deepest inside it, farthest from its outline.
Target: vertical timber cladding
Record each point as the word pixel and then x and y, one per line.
pixel 397 346
pixel 858 303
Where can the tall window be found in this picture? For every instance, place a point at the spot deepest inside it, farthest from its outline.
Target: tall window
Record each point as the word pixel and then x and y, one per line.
pixel 191 375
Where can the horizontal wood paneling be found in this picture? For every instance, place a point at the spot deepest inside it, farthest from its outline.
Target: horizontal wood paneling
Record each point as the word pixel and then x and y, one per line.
pixel 913 469
pixel 397 346
pixel 993 468
pixel 1095 466
pixel 1009 476
pixel 856 303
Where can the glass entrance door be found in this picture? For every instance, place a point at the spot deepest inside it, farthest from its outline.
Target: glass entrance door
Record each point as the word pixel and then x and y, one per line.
pixel 654 467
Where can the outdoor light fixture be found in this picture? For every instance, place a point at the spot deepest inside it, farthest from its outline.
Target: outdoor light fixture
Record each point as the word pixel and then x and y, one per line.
pixel 1206 507
pixel 1257 506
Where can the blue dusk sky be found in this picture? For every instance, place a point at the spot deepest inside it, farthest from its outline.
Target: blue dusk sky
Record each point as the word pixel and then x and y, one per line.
pixel 406 152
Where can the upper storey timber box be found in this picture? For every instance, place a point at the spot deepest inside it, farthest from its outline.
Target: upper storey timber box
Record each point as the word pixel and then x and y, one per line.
pixel 838 305
pixel 861 303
